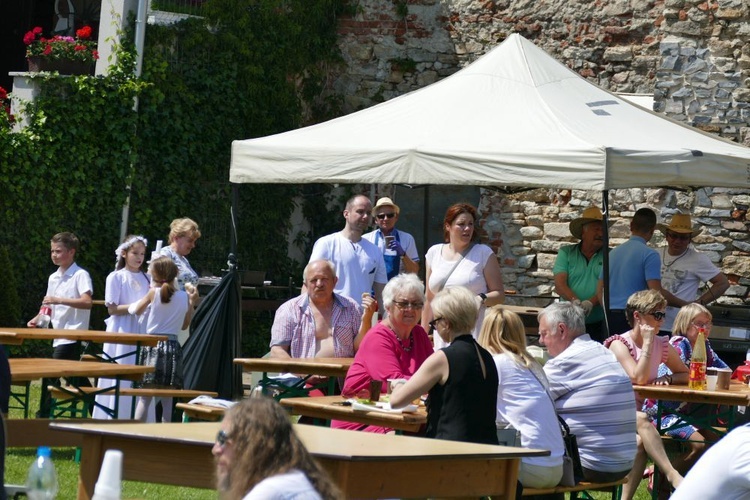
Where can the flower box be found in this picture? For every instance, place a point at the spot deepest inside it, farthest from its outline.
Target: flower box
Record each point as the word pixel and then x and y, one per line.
pixel 62 66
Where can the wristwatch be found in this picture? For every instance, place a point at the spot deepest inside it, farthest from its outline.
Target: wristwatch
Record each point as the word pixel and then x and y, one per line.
pixel 483 296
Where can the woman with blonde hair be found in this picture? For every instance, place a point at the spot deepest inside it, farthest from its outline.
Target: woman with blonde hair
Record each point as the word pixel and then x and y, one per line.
pixel 522 398
pixel 690 320
pixel 640 351
pixel 259 457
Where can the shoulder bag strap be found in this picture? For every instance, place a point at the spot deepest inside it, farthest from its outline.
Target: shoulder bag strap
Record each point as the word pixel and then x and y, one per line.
pixel 445 280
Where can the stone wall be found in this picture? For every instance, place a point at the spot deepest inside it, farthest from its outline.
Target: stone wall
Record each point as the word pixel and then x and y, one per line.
pixel 691 54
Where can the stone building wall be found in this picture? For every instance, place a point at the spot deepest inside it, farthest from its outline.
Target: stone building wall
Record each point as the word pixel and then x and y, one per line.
pixel 692 55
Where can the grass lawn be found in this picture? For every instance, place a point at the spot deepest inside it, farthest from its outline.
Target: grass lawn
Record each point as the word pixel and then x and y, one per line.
pixel 17 463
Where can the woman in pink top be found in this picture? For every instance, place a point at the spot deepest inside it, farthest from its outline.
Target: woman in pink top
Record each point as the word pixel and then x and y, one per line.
pixel 394 348
pixel 640 351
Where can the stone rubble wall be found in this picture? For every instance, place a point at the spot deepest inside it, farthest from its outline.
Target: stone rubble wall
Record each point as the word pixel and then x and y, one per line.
pixel 693 55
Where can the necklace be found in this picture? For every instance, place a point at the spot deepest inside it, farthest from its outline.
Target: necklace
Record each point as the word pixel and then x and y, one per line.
pixel 673 260
pixel 405 348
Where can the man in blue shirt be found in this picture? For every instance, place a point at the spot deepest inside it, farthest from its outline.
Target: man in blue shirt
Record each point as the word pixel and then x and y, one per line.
pixel 633 267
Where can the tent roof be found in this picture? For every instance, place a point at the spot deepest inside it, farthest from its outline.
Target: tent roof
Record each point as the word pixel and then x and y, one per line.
pixel 515 117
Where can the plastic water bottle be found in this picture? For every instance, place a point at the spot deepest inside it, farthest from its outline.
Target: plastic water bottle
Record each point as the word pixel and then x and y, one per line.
pixel 45 316
pixel 41 483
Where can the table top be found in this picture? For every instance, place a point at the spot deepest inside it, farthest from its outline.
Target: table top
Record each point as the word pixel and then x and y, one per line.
pixel 27 369
pixel 737 395
pixel 320 441
pixel 16 336
pixel 326 367
pixel 330 408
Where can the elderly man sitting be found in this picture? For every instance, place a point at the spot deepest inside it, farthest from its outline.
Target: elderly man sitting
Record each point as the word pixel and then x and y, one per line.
pixel 319 323
pixel 592 393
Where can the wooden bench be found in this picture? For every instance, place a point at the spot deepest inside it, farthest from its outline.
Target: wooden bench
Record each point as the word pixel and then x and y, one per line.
pixel 192 412
pixel 614 488
pixel 67 393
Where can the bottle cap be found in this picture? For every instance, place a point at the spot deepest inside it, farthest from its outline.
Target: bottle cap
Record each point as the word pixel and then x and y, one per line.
pixel 109 484
pixel 43 451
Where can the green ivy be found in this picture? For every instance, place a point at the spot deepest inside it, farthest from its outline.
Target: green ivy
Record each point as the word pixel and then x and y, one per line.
pixel 248 69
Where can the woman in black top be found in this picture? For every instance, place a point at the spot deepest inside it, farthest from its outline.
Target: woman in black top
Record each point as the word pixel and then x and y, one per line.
pixel 461 378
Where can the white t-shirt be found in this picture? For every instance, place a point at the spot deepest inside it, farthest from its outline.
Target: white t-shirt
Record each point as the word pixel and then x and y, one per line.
pixel 71 284
pixel 682 276
pixel 523 402
pixel 293 485
pixel 468 273
pixel 723 472
pixel 167 318
pixel 358 265
pixel 405 239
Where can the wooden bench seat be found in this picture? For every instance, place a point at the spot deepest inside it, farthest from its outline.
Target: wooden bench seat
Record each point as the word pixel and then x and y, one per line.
pixel 65 399
pixel 615 488
pixel 200 412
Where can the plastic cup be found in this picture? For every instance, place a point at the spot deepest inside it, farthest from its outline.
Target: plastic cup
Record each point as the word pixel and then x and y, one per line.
pixel 109 484
pixel 711 381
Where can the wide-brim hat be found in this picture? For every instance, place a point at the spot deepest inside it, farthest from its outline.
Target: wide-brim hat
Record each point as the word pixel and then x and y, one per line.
pixel 385 202
pixel 591 214
pixel 680 223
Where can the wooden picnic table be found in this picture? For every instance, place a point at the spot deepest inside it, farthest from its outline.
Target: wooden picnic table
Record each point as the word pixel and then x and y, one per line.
pixel 91 339
pixel 25 370
pixel 362 464
pixel 332 408
pixel 305 367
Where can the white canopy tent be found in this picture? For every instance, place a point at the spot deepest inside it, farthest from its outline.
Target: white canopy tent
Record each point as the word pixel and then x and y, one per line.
pixel 514 118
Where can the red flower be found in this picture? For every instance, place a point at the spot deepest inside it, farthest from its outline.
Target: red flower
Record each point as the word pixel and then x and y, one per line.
pixel 78 48
pixel 37 30
pixel 95 53
pixel 84 33
pixel 29 38
pixel 47 50
pixel 3 94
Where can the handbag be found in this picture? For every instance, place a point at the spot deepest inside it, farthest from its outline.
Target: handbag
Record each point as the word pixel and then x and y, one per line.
pixel 572 469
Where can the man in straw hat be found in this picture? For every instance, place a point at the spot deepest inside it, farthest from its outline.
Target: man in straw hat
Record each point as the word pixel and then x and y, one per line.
pixel 398 247
pixel 577 269
pixel 683 269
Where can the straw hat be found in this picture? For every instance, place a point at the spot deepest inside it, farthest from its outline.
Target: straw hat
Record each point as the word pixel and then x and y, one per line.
pixel 680 223
pixel 385 202
pixel 591 214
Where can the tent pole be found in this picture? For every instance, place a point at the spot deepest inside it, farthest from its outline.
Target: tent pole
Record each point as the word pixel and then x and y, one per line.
pixel 605 256
pixel 233 210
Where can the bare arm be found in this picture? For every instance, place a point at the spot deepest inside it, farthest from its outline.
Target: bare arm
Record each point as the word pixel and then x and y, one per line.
pixel 378 289
pixel 638 371
pixel 427 309
pixel 680 372
pixel 409 265
pixel 562 289
pixel 280 352
pixel 369 306
pixel 142 304
pixel 433 371
pixel 493 276
pixel 189 313
pixel 719 285
pixel 672 299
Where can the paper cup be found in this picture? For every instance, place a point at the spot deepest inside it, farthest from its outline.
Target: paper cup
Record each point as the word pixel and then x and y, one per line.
pixel 375 387
pixel 725 374
pixel 711 381
pixel 109 484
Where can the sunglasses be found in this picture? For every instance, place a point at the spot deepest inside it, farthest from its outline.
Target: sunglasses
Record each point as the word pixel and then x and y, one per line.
pixel 678 236
pixel 386 216
pixel 658 315
pixel 434 322
pixel 222 438
pixel 409 305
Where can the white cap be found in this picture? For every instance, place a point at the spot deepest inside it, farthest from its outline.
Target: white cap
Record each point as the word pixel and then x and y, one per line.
pixel 109 484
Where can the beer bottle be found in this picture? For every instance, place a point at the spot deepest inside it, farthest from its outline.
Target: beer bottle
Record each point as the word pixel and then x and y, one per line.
pixel 697 378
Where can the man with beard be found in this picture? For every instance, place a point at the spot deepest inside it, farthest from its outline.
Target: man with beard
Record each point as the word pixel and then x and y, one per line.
pixel 358 263
pixel 577 269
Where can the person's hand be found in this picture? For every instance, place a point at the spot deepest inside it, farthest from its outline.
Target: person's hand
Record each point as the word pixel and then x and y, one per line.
pixel 648 332
pixel 587 307
pixel 396 247
pixel 32 322
pixel 369 302
pixel 663 380
pixel 132 308
pixel 193 295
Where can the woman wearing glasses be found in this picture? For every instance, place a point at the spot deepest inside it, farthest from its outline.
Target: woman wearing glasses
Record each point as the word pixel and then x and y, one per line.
pixel 689 321
pixel 393 349
pixel 640 351
pixel 462 262
pixel 461 379
pixel 259 457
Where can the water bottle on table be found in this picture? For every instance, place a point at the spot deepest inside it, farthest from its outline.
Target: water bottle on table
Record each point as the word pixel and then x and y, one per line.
pixel 41 483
